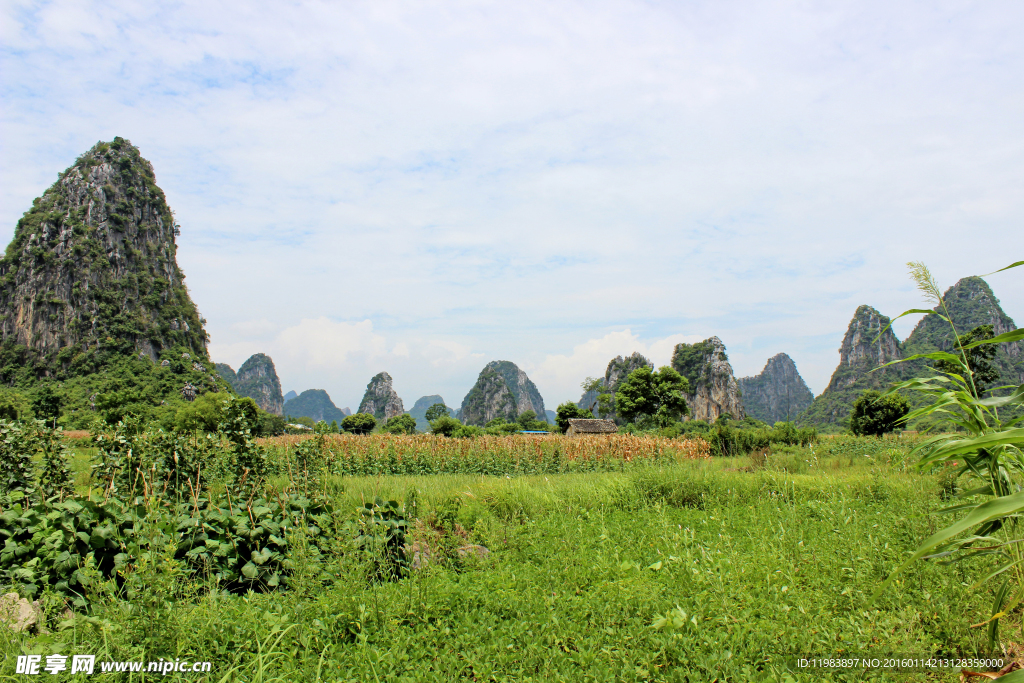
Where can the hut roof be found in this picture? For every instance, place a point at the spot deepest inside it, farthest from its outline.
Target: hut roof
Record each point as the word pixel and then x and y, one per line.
pixel 583 426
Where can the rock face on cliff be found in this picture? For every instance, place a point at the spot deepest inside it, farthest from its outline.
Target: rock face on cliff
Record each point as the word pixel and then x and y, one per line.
pixel 314 404
pixel 522 388
pixel 380 399
pixel 970 303
pixel 91 294
pixel 91 271
pixel 502 390
pixel 859 354
pixel 257 378
pixel 419 411
pixel 713 388
pixel 489 398
pixel 778 394
pixel 617 371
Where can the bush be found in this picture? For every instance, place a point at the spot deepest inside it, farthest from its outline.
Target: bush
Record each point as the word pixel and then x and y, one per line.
pixel 729 437
pixel 400 424
pixel 445 425
pixel 874 414
pixel 202 414
pixel 47 404
pixel 237 545
pixel 360 423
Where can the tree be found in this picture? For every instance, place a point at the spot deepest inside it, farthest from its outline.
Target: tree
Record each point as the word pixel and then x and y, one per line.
pixel 979 359
pixel 400 424
pixel 874 414
pixel 435 411
pixel 47 404
pixel 12 406
pixel 360 423
pixel 569 411
pixel 445 425
pixel 655 397
pixel 605 399
pixel 205 413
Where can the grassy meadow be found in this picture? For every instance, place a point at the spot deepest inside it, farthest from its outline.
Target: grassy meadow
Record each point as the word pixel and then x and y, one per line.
pixel 628 559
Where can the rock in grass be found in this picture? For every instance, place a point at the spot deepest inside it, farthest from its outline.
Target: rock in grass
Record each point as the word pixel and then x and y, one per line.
pixel 479 551
pixel 420 553
pixel 19 614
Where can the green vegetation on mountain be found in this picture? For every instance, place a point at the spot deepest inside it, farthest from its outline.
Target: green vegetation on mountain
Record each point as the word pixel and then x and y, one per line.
pixel 777 394
pixel 380 398
pixel 979 359
pixel 713 390
pixel 525 392
pixel 971 304
pixel 226 373
pixel 599 392
pixel 689 361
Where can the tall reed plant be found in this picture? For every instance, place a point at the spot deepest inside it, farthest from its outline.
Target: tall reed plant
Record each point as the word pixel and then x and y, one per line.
pixel 985 450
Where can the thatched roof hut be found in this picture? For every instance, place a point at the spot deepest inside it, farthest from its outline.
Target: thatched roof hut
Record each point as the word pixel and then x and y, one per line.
pixel 578 427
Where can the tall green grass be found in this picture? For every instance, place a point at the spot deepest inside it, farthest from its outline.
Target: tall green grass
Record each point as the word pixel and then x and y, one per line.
pixel 587 576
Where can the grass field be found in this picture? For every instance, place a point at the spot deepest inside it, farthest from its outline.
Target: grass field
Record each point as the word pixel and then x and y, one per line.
pixel 690 570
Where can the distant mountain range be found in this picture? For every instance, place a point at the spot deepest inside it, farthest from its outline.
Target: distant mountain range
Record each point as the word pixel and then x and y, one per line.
pixel 91 293
pixel 316 405
pixel 970 302
pixel 777 394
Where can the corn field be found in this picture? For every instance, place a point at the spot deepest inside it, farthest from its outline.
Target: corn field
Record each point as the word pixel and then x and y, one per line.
pixel 347 454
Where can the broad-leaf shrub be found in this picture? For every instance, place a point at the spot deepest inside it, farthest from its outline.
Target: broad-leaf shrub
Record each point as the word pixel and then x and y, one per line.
pixel 382 526
pixel 233 545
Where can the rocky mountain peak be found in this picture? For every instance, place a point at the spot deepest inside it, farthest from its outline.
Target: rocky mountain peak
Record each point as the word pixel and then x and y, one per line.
pixel 859 349
pixel 778 394
pixel 380 399
pixel 522 388
pixel 859 356
pixel 91 272
pixel 489 398
pixel 970 303
pixel 713 388
pixel 257 378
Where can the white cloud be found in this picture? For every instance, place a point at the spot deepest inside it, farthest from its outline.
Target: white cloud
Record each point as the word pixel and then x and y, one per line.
pixel 318 345
pixel 559 376
pixel 505 181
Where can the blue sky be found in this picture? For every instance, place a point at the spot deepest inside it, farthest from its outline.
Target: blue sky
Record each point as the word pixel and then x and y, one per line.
pixel 425 187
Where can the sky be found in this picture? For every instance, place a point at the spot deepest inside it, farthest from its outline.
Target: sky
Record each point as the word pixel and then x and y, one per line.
pixel 421 188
